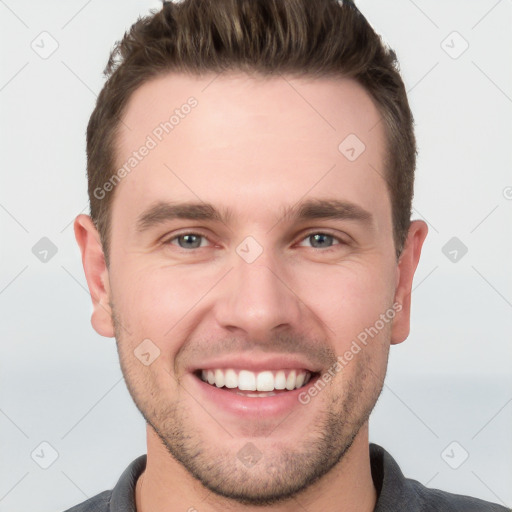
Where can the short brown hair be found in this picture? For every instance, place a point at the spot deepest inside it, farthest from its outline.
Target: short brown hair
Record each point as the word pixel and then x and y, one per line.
pixel 310 38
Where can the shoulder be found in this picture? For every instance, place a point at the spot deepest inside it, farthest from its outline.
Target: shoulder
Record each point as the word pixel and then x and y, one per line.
pixel 122 497
pixel 398 493
pixel 98 503
pixel 436 499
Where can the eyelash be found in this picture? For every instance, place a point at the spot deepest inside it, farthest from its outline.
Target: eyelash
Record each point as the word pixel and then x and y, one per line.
pixel 307 235
pixel 340 241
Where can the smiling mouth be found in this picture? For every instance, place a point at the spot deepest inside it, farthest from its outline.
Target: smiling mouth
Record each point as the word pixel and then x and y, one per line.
pixel 256 384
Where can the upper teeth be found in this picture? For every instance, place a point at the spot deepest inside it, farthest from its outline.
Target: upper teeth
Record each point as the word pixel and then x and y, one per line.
pixel 251 381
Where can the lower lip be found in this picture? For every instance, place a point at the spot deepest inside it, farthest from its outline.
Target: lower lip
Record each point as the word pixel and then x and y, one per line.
pixel 229 401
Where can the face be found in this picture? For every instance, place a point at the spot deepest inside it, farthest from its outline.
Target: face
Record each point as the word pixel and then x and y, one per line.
pixel 251 251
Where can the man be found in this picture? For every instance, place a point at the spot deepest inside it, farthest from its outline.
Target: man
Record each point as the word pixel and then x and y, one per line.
pixel 251 169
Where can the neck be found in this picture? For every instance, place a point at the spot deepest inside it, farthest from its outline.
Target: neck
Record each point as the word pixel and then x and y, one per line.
pixel 165 485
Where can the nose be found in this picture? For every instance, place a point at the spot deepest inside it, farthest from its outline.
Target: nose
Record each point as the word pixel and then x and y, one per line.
pixel 258 298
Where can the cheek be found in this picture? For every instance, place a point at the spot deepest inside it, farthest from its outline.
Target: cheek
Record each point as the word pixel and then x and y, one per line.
pixel 348 297
pixel 151 302
pixel 159 302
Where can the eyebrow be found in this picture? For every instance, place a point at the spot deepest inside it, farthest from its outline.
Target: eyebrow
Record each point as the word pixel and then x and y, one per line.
pixel 333 209
pixel 161 212
pixel 311 209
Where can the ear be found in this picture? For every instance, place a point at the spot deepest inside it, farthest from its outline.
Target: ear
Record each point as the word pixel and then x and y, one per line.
pixel 96 273
pixel 406 267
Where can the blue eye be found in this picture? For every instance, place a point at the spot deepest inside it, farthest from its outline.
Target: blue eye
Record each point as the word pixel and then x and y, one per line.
pixel 319 240
pixel 323 239
pixel 190 240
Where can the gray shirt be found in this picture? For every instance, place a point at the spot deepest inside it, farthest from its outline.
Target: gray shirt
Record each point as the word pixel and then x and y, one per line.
pixel 395 492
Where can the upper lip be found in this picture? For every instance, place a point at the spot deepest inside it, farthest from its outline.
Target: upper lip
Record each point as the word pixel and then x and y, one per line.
pixel 257 364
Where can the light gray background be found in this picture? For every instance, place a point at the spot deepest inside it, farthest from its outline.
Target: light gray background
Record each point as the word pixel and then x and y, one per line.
pixel 450 381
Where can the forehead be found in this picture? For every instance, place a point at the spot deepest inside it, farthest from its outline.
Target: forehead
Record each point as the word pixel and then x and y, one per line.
pixel 245 140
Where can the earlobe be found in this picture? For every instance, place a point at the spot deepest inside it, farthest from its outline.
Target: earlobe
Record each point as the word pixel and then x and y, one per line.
pixel 96 273
pixel 407 264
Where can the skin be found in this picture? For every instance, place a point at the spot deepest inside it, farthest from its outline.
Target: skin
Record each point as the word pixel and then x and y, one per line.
pixel 254 145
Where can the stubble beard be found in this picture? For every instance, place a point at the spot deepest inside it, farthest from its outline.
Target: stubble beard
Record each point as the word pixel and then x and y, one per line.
pixel 276 476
